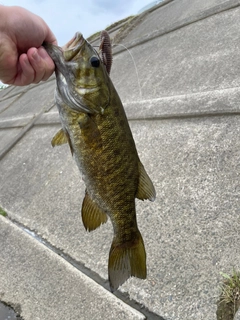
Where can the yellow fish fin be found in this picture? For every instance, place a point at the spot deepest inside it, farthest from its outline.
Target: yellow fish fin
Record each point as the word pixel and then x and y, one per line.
pixel 145 186
pixel 126 260
pixel 92 215
pixel 60 138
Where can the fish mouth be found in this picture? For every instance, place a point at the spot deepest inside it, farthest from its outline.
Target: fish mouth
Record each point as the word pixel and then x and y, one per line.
pixel 72 47
pixel 68 51
pixel 66 61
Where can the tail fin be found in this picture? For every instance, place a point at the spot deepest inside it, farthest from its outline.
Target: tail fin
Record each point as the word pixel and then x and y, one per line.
pixel 126 260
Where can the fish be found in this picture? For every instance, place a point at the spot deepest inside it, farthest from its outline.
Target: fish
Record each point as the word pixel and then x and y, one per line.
pixel 95 126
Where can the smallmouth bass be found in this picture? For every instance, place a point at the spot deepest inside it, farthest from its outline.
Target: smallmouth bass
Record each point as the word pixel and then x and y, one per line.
pixel 95 126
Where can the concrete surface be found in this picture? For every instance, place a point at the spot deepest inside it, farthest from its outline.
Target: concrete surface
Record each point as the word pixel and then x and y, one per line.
pixel 183 108
pixel 47 287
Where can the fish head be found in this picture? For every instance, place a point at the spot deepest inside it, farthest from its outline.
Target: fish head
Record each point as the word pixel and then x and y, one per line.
pixel 82 79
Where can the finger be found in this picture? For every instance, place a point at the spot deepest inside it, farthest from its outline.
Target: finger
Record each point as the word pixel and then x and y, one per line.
pixel 48 62
pixel 37 64
pixel 41 63
pixel 26 73
pixel 50 37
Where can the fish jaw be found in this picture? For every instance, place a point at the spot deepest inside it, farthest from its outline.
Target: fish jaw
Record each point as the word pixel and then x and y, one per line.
pixel 81 76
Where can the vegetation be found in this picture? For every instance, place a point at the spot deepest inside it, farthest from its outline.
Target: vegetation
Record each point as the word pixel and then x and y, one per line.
pixel 110 27
pixel 229 301
pixel 2 212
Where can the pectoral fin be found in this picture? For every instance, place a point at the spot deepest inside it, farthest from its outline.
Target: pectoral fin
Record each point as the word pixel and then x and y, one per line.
pixel 92 215
pixel 146 189
pixel 61 137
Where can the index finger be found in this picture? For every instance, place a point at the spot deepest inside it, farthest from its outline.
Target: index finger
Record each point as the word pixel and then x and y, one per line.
pixel 50 37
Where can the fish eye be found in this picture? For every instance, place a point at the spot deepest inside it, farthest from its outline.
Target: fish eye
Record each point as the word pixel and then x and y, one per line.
pixel 95 62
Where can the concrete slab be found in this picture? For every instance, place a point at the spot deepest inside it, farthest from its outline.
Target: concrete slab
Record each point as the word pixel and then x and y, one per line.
pixel 192 229
pixel 44 197
pixel 190 232
pixel 51 117
pixel 5 91
pixel 7 135
pixel 53 289
pixel 4 104
pixel 28 106
pixel 186 61
pixel 171 15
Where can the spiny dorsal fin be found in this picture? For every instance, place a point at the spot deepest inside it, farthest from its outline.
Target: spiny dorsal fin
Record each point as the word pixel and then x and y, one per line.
pixel 92 215
pixel 60 138
pixel 146 189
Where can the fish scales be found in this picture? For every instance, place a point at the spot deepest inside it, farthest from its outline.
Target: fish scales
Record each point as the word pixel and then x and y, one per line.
pixel 104 165
pixel 95 126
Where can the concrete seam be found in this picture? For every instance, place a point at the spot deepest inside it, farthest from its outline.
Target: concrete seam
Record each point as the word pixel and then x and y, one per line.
pixel 186 116
pixel 172 116
pixel 7 93
pixel 12 95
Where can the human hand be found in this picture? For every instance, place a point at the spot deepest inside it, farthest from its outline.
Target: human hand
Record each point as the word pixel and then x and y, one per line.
pixel 22 59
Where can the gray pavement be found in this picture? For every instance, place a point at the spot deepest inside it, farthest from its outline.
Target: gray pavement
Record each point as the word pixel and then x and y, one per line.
pixel 183 108
pixel 47 287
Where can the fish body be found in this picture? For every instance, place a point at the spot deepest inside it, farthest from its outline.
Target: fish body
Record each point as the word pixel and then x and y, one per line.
pixel 94 124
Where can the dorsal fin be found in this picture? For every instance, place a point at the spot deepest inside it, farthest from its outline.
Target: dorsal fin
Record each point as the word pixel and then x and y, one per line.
pixel 146 189
pixel 92 215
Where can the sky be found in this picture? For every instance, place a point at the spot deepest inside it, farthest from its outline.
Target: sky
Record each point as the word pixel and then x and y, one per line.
pixel 67 17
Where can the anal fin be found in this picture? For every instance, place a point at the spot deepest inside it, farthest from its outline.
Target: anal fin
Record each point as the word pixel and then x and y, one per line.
pixel 92 215
pixel 146 189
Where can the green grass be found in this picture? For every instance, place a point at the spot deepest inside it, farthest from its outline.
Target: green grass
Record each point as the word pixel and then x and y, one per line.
pixel 231 287
pixel 229 301
pixel 2 212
